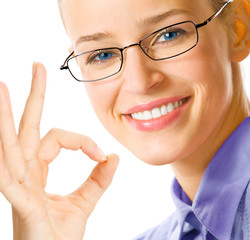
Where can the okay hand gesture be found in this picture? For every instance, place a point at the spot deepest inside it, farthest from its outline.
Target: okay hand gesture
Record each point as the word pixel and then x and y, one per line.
pixel 24 161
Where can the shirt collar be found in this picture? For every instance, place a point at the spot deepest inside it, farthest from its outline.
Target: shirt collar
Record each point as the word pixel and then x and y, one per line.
pixel 222 185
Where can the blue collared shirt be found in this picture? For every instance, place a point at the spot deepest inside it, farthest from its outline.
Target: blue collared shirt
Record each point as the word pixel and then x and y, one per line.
pixel 221 208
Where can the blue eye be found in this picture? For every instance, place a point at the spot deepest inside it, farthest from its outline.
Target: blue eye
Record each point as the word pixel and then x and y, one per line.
pixel 104 56
pixel 170 35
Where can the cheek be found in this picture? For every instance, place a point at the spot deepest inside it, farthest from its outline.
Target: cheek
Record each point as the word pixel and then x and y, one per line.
pixel 207 70
pixel 212 85
pixel 103 96
pixel 214 77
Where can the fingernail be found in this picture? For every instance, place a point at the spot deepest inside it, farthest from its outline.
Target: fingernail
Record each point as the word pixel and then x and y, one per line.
pixel 33 69
pixel 101 154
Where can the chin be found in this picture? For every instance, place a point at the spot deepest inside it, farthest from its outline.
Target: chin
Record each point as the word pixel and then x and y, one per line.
pixel 156 158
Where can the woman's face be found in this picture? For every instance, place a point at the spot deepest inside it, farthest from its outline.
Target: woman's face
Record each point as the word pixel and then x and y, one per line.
pixel 202 75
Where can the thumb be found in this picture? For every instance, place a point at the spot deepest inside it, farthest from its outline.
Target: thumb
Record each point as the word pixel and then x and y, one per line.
pixel 100 178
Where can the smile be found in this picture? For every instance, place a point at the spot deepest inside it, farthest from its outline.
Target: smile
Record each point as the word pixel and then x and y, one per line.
pixel 158 111
pixel 158 114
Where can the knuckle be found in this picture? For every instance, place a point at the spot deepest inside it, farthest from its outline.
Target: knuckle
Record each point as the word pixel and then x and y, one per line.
pixel 7 112
pixel 41 96
pixel 98 184
pixel 88 141
pixel 89 144
pixel 37 94
pixel 53 131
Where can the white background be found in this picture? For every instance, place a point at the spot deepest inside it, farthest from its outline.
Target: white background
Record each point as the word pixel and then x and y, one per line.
pixel 31 30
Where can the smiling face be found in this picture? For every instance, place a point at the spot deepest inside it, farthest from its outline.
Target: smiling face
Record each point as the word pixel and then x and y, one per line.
pixel 162 111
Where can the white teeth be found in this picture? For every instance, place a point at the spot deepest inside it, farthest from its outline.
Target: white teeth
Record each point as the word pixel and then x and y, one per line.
pixel 147 115
pixel 157 112
pixel 135 115
pixel 140 117
pixel 176 105
pixel 164 110
pixel 170 107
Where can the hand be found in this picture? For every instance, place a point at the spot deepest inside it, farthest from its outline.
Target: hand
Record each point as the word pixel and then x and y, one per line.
pixel 24 160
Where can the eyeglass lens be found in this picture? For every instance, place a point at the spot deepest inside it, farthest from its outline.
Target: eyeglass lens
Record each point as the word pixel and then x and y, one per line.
pixel 165 43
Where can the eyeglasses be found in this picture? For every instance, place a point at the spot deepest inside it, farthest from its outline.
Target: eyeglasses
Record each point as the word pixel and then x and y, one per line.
pixel 165 43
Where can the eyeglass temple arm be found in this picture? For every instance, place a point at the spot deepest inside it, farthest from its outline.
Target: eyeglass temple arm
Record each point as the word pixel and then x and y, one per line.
pixel 63 67
pixel 214 15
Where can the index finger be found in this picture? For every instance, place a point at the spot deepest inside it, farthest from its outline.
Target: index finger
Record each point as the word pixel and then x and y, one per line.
pixel 56 139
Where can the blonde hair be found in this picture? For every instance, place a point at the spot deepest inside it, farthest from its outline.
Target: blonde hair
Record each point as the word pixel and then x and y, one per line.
pixel 217 4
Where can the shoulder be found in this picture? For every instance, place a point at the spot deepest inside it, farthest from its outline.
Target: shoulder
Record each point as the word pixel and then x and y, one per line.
pixel 162 231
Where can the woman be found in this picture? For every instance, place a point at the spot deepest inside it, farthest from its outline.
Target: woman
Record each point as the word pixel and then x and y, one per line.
pixel 165 82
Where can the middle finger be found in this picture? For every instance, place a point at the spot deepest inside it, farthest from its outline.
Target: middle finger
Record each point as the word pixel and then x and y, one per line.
pixel 29 128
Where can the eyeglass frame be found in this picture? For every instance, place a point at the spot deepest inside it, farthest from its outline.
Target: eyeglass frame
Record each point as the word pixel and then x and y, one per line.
pixel 65 66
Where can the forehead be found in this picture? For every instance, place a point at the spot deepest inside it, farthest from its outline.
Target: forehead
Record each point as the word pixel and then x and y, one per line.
pixel 86 17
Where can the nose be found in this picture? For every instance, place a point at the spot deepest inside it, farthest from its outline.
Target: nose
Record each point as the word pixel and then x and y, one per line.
pixel 140 73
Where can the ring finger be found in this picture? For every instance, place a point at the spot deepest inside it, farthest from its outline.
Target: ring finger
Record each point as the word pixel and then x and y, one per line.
pixel 12 153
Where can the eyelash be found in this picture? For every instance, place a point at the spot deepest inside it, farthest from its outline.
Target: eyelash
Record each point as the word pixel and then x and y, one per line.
pixel 179 32
pixel 91 58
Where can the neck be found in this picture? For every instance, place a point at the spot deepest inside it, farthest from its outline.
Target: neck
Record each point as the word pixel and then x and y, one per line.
pixel 189 171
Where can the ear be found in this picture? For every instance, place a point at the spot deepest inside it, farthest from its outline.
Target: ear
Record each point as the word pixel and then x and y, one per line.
pixel 240 41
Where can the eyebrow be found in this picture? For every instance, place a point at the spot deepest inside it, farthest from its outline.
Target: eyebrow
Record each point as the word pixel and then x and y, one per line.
pixel 141 23
pixel 93 37
pixel 160 17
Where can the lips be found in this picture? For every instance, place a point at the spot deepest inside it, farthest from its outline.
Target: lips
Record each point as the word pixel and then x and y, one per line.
pixel 151 105
pixel 157 114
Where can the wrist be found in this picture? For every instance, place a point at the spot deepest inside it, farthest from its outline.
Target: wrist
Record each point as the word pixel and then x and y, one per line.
pixel 32 230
